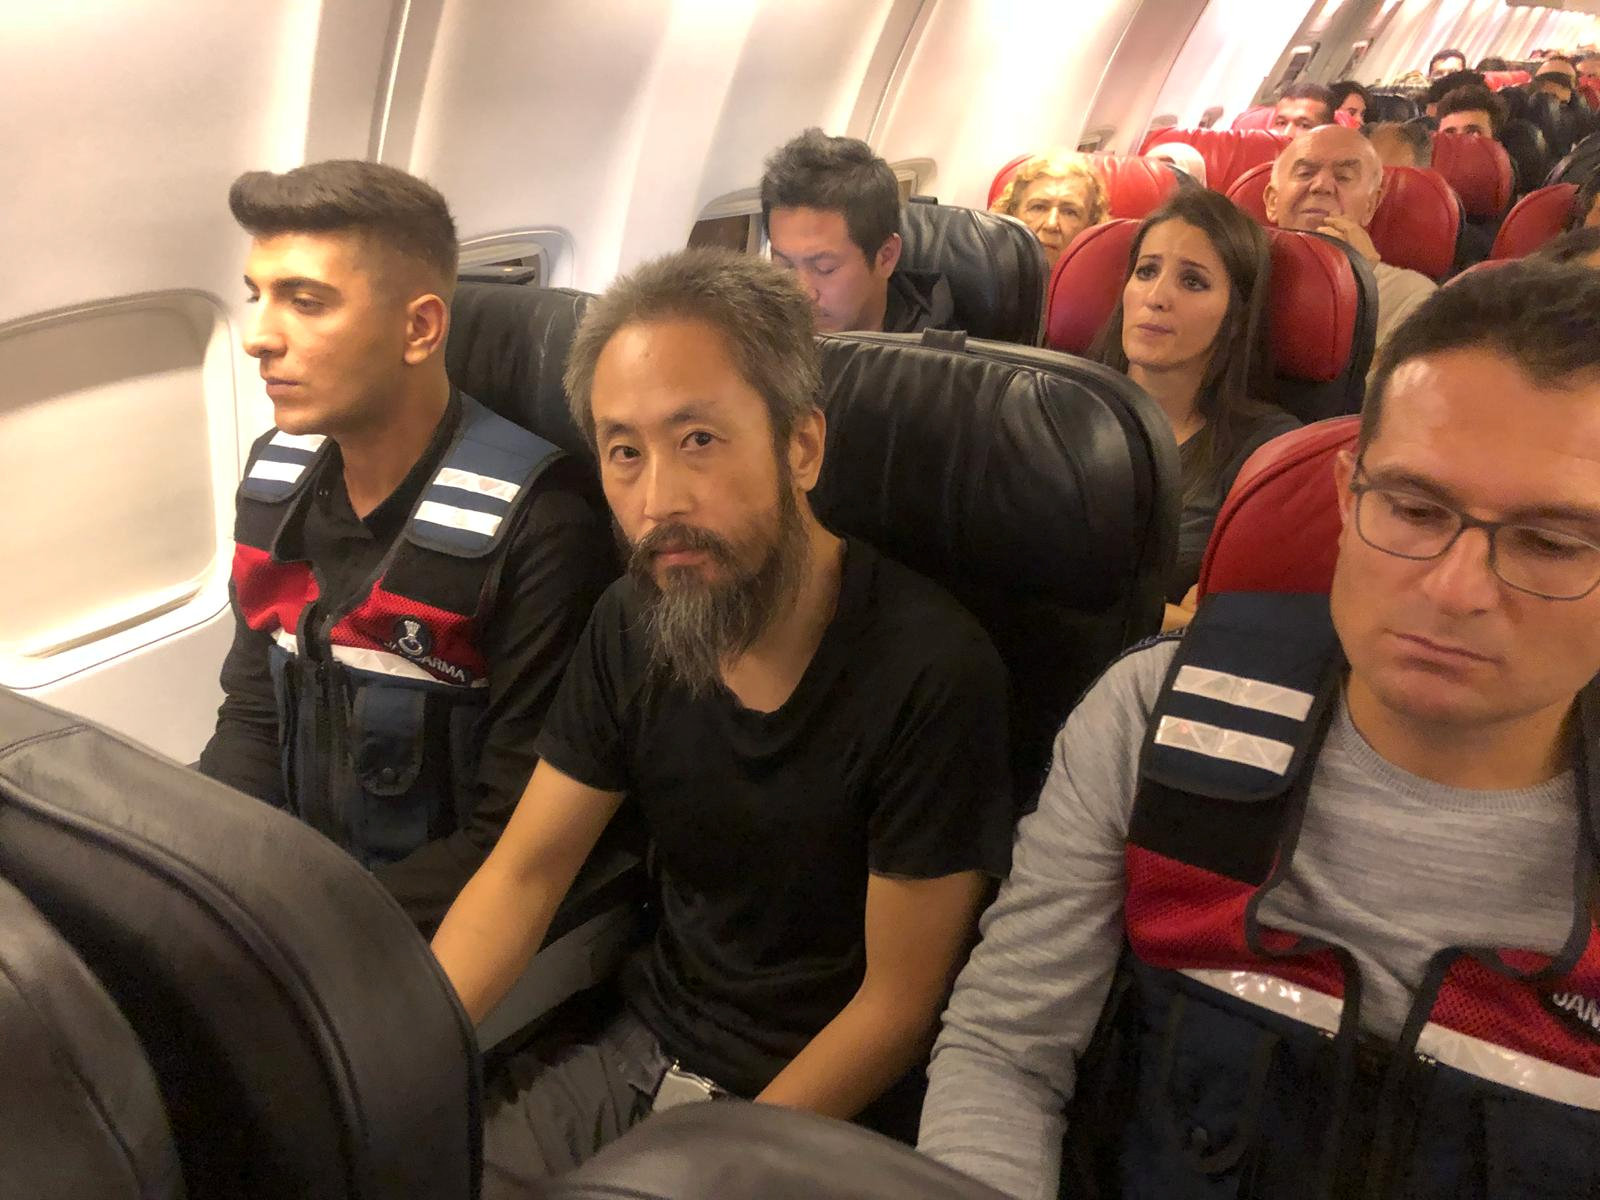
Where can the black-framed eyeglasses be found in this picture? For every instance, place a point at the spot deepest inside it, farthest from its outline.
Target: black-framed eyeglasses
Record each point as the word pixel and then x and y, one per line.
pixel 1537 559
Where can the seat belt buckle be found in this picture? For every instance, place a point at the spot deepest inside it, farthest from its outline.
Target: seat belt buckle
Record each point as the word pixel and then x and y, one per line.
pixel 679 1087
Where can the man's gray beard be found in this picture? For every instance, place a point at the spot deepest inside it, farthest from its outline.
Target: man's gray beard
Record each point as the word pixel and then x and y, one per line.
pixel 693 626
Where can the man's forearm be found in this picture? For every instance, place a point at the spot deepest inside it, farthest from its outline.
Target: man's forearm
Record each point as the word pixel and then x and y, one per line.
pixel 489 935
pixel 854 1059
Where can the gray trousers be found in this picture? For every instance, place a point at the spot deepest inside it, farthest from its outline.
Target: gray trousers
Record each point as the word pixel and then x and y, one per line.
pixel 547 1111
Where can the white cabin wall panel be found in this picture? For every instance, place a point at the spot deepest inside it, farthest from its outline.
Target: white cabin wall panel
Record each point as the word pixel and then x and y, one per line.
pixel 1223 60
pixel 990 79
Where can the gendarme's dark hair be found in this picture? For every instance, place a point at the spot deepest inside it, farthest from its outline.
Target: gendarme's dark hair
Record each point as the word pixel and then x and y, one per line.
pixel 1543 317
pixel 1473 98
pixel 840 174
pixel 1239 376
pixel 1311 91
pixel 757 307
pixel 388 206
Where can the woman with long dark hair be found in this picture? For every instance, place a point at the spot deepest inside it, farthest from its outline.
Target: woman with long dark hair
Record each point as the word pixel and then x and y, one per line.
pixel 1191 330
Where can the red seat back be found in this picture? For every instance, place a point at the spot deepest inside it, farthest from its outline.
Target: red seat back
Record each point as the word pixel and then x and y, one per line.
pixel 1135 187
pixel 1589 89
pixel 1534 220
pixel 1416 225
pixel 1495 80
pixel 1259 117
pixel 1278 529
pixel 1229 153
pixel 1479 169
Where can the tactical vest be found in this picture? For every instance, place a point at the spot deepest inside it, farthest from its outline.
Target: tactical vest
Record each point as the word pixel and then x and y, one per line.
pixel 1229 1061
pixel 378 700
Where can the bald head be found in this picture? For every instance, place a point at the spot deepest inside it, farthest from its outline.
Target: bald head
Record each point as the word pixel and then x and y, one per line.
pixel 1328 172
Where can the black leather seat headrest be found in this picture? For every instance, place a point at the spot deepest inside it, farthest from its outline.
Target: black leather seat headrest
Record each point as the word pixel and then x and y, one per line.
pixel 994 266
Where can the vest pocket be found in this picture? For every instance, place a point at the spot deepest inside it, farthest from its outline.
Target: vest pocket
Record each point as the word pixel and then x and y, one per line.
pixel 387 736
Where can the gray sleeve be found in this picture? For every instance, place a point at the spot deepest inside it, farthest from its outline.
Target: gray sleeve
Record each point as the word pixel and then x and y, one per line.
pixel 1027 1002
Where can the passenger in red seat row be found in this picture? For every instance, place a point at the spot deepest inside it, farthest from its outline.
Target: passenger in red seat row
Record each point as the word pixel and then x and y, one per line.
pixel 1472 110
pixel 1329 181
pixel 1303 106
pixel 1402 143
pixel 832 212
pixel 1191 330
pixel 1321 872
pixel 1057 196
pixel 1351 99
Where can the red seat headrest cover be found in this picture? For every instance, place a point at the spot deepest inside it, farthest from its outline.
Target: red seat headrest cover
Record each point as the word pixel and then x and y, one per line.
pixel 1478 168
pixel 1417 222
pixel 1229 153
pixel 1249 192
pixel 1259 117
pixel 1278 529
pixel 1135 187
pixel 1534 220
pixel 1312 310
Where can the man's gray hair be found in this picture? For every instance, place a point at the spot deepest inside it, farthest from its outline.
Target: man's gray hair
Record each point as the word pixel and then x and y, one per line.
pixel 757 307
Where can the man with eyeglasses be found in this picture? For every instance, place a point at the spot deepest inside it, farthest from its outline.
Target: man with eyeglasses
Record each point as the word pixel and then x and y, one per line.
pixel 1308 903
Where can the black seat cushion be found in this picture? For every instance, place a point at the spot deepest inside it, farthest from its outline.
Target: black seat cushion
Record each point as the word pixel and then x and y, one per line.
pixel 1578 163
pixel 304 1039
pixel 1529 153
pixel 80 1115
pixel 995 267
pixel 736 1151
pixel 1040 489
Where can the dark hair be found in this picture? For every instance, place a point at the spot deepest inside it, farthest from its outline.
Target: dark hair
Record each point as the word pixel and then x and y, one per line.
pixel 1346 88
pixel 1440 55
pixel 383 204
pixel 840 174
pixel 1311 91
pixel 1588 192
pixel 1543 317
pixel 758 308
pixel 1475 99
pixel 1555 77
pixel 1492 64
pixel 1571 246
pixel 1239 375
pixel 1445 84
pixel 1418 132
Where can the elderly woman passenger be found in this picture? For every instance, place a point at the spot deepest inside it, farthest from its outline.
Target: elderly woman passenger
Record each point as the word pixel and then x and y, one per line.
pixel 1058 196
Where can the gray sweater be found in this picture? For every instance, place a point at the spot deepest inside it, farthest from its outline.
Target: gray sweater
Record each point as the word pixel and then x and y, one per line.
pixel 1390 865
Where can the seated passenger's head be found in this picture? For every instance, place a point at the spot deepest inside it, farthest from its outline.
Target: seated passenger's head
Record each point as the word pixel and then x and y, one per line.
pixel 1350 98
pixel 1303 106
pixel 1560 64
pixel 695 377
pixel 1194 303
pixel 1586 204
pixel 1329 172
pixel 1581 245
pixel 1402 143
pixel 1485 404
pixel 1553 83
pixel 1183 156
pixel 1589 65
pixel 1473 110
pixel 1446 61
pixel 1444 85
pixel 1057 196
pixel 832 211
pixel 1493 64
pixel 350 273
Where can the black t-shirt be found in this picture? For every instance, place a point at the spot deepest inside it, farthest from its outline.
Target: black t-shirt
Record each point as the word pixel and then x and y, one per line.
pixel 890 757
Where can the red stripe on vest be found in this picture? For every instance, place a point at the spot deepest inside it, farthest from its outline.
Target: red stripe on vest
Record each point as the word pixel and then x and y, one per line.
pixel 271 595
pixel 1180 917
pixel 452 638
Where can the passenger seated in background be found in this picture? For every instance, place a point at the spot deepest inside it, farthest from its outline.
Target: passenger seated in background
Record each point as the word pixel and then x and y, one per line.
pixel 1472 110
pixel 1581 245
pixel 1589 65
pixel 1330 181
pixel 1438 806
pixel 1444 85
pixel 1303 106
pixel 1402 143
pixel 1555 83
pixel 832 212
pixel 814 736
pixel 1492 64
pixel 1182 156
pixel 414 650
pixel 1191 330
pixel 1056 195
pixel 1585 210
pixel 1350 98
pixel 1446 62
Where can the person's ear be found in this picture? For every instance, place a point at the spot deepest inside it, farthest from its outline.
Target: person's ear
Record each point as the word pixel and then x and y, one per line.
pixel 427 325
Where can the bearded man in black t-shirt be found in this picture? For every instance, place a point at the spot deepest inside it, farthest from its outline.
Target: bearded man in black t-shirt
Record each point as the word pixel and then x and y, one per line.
pixel 814 737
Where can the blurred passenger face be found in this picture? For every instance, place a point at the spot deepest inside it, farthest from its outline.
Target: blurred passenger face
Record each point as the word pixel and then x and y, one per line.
pixel 1560 67
pixel 708 510
pixel 1354 106
pixel 1330 172
pixel 1473 121
pixel 1291 115
pixel 1393 148
pixel 1554 87
pixel 330 340
pixel 1175 299
pixel 1057 209
pixel 848 289
pixel 1446 65
pixel 1445 643
pixel 1589 66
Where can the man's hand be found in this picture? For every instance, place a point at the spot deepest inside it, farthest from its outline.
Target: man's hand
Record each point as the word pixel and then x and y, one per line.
pixel 1352 234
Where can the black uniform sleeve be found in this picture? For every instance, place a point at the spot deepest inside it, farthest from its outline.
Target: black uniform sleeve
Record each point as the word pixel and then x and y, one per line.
pixel 244 750
pixel 583 737
pixel 559 561
pixel 944 799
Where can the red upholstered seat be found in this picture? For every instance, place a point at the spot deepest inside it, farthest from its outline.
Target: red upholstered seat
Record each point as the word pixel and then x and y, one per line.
pixel 1316 305
pixel 1534 220
pixel 1135 187
pixel 1278 529
pixel 1259 117
pixel 1479 169
pixel 1229 153
pixel 1589 89
pixel 1249 192
pixel 1495 80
